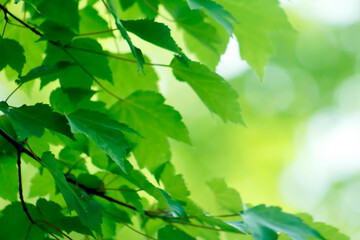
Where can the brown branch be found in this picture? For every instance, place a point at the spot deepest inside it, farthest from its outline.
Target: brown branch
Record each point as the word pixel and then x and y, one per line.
pixel 92 191
pixel 22 22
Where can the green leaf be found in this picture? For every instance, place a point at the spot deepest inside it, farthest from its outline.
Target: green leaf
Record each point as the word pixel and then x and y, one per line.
pixel 174 183
pixel 125 4
pixel 170 232
pixel 72 158
pixel 53 31
pixel 8 176
pixel 153 32
pixel 92 22
pixel 63 12
pixel 216 11
pixel 150 8
pixel 7 148
pixel 213 90
pixel 264 223
pixel 117 215
pixel 122 72
pixel 89 211
pixel 327 231
pixel 227 198
pixel 41 184
pixel 136 52
pixel 32 120
pixel 206 40
pixel 15 225
pixel 131 197
pixel 138 179
pixel 44 71
pixel 106 133
pixel 12 54
pixel 176 208
pixel 259 19
pixel 162 122
pixel 89 54
pixel 160 118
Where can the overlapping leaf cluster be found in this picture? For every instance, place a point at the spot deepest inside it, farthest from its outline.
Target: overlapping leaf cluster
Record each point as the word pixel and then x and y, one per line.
pixel 106 108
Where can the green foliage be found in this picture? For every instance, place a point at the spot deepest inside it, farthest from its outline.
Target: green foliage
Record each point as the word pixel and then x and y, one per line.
pixel 12 54
pixel 100 145
pixel 258 21
pixel 32 120
pixel 265 223
pixel 107 133
pixel 213 90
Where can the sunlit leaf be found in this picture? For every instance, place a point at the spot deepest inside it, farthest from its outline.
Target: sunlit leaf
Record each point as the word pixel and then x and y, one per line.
pixel 258 20
pixel 213 90
pixel 265 222
pixel 227 198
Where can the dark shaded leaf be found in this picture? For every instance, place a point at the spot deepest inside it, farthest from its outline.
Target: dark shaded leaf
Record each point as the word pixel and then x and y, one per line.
pixel 32 120
pixel 107 133
pixel 12 54
pixel 216 11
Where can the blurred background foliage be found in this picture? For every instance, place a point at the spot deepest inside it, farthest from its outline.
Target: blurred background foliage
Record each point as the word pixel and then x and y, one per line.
pixel 301 147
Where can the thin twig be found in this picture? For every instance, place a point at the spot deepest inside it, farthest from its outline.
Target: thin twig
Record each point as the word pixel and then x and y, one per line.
pixel 58 230
pixel 91 76
pixel 127 225
pixel 21 189
pixel 21 21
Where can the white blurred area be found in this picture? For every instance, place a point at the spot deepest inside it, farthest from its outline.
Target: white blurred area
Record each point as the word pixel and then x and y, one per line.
pixel 334 12
pixel 231 64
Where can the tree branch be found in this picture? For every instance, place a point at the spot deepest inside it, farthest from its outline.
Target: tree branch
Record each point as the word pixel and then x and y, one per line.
pixel 21 189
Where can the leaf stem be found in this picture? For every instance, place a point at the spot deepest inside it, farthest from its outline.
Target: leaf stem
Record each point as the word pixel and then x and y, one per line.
pixel 116 57
pixel 95 33
pixel 6 22
pixel 205 227
pixel 13 91
pixel 127 225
